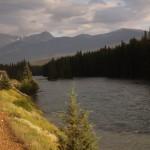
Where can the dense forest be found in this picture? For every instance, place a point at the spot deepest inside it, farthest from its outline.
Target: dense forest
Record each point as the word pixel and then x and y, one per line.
pixel 127 60
pixel 16 71
pixel 23 75
pixel 130 60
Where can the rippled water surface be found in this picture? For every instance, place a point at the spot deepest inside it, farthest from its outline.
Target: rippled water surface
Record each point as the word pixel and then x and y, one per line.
pixel 117 106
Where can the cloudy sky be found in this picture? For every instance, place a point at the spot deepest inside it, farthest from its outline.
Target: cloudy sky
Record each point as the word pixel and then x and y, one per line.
pixel 72 17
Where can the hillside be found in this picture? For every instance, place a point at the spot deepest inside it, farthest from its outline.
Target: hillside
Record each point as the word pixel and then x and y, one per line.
pixel 8 140
pixel 44 45
pixel 6 39
pixel 27 121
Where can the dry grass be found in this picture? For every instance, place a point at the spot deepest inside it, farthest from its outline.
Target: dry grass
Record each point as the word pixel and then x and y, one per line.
pixel 27 121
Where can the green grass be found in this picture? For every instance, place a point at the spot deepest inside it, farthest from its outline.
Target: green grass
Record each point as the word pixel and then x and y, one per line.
pixel 28 122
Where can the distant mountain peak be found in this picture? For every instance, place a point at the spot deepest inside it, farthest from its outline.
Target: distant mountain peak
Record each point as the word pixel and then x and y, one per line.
pixel 6 39
pixel 46 34
pixel 39 37
pixel 44 45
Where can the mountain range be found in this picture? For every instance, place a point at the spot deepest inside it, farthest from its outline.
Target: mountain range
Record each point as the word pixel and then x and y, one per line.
pixel 6 39
pixel 44 45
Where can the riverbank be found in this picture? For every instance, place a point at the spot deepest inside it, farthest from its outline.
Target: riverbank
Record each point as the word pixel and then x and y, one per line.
pixel 27 122
pixel 8 141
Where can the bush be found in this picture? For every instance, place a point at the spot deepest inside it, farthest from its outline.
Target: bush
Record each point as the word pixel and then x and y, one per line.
pixel 29 87
pixel 5 84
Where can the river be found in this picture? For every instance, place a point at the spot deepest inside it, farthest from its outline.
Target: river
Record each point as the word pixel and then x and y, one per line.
pixel 119 109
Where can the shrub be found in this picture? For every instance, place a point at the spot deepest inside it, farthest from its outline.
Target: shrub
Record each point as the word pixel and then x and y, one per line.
pixel 5 84
pixel 78 129
pixel 29 87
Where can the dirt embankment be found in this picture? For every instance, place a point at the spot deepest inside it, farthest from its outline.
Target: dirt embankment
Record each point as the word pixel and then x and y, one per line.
pixel 8 141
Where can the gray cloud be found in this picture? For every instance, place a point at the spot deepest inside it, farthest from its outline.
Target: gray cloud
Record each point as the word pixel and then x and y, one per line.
pixel 66 12
pixel 112 15
pixel 97 1
pixel 70 17
pixel 7 6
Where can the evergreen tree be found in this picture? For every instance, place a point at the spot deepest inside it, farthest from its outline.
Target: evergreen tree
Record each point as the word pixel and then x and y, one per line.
pixel 5 84
pixel 52 70
pixel 80 135
pixel 88 137
pixel 127 60
pixel 27 74
pixel 4 81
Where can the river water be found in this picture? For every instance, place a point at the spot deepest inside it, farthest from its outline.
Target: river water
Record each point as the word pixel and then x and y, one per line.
pixel 119 109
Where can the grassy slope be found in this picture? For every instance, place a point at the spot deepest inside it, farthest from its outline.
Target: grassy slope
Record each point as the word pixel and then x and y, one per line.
pixel 27 121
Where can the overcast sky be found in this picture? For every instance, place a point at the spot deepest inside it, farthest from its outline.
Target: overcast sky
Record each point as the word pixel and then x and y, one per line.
pixel 72 17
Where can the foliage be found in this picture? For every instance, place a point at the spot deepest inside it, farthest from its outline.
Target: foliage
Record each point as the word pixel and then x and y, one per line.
pixel 27 74
pixel 18 71
pixel 5 84
pixel 37 70
pixel 130 60
pixel 28 122
pixel 4 80
pixel 29 87
pixel 79 132
pixel 22 77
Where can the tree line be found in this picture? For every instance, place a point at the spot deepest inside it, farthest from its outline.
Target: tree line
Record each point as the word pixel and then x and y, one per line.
pixel 18 71
pixel 22 72
pixel 127 60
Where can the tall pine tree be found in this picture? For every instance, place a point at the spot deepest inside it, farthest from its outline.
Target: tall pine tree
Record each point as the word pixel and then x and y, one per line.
pixel 27 74
pixel 79 132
